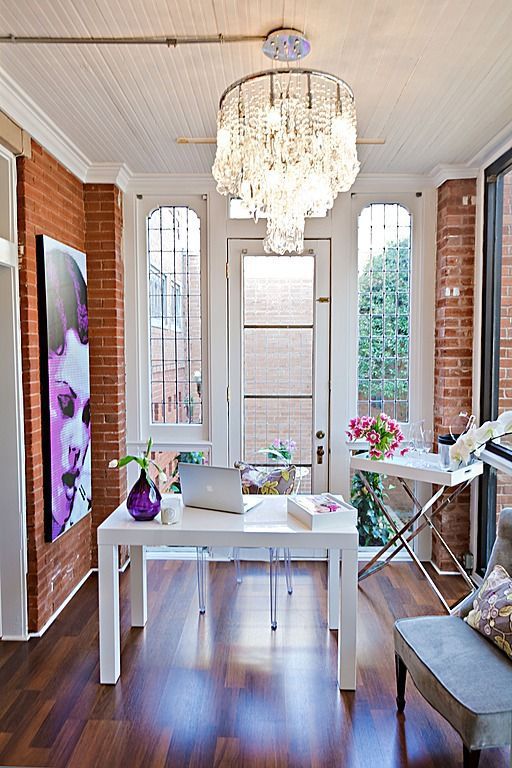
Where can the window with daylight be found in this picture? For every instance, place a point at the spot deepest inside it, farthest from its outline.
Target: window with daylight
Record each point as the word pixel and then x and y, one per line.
pixel 496 369
pixel 174 282
pixel 384 269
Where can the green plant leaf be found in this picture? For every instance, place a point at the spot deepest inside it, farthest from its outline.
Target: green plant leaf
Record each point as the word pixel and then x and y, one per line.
pixel 126 460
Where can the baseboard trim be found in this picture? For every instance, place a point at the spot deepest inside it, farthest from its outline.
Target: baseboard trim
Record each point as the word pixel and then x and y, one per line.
pixel 442 573
pixel 14 638
pixel 367 554
pixel 59 610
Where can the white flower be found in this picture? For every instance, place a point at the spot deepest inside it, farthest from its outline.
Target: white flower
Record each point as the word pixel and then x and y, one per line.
pixel 497 428
pixel 461 449
pixel 113 464
pixel 506 420
pixel 162 477
pixel 484 433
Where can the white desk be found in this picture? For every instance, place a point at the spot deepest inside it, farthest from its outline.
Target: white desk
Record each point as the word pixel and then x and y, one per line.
pixel 267 525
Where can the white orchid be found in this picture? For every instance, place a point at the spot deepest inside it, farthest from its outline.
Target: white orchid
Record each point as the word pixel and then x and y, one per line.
pixel 459 451
pixel 162 477
pixel 506 420
pixel 474 439
pixel 484 433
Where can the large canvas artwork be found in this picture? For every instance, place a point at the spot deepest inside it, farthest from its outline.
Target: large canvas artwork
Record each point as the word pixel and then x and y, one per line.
pixel 65 385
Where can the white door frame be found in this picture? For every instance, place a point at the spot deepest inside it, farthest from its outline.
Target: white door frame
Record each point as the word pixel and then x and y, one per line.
pixel 13 543
pixel 321 353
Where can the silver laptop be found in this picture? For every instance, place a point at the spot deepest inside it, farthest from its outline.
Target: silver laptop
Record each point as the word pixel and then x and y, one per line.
pixel 213 488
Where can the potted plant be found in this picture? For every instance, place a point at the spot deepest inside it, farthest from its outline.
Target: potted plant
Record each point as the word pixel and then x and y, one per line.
pixel 143 502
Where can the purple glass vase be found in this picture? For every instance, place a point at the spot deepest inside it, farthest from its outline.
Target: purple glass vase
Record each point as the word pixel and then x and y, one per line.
pixel 143 502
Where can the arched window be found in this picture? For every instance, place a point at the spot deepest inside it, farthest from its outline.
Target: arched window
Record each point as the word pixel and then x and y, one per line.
pixel 174 283
pixel 384 279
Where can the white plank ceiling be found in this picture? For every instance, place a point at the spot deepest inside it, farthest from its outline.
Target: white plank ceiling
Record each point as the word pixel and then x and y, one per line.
pixel 434 77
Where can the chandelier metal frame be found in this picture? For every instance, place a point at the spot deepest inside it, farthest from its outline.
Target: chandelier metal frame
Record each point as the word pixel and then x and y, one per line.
pixel 286 71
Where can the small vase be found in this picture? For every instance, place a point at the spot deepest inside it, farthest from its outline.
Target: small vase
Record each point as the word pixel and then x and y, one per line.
pixel 143 502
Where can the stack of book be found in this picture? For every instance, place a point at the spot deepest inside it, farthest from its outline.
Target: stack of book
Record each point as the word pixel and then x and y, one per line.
pixel 322 512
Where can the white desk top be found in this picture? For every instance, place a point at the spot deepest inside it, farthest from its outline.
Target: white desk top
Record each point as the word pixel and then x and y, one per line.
pixel 267 525
pixel 412 467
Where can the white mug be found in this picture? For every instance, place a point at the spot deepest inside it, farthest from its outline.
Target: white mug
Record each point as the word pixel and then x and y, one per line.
pixel 169 510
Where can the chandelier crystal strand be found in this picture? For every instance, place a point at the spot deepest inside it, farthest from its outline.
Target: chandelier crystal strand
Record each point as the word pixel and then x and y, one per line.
pixel 286 145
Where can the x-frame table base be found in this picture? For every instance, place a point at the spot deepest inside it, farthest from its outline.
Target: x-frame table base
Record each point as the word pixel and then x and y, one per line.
pixel 406 533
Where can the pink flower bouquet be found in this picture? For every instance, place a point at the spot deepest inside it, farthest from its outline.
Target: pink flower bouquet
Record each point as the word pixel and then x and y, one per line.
pixel 381 432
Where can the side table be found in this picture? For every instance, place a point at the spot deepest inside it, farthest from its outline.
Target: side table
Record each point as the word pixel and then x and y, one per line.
pixel 424 469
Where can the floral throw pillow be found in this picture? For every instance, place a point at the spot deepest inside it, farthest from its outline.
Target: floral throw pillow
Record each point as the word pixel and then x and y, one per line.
pixel 492 610
pixel 276 481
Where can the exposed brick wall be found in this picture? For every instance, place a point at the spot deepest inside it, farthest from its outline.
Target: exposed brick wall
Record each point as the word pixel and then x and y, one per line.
pixel 454 338
pixel 50 201
pixel 104 224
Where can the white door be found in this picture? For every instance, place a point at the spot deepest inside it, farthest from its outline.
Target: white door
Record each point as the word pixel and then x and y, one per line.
pixel 279 327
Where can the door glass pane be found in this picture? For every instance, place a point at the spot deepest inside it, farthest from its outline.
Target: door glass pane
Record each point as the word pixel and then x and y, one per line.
pixel 174 284
pixel 504 481
pixel 278 289
pixel 290 349
pixel 277 355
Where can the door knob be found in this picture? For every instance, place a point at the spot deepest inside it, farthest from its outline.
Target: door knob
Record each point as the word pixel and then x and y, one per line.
pixel 320 435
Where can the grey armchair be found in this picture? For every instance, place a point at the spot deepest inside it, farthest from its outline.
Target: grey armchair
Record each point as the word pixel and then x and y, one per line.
pixel 461 674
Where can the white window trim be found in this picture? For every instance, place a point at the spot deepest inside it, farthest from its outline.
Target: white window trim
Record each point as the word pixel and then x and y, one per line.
pixel 164 434
pixel 421 344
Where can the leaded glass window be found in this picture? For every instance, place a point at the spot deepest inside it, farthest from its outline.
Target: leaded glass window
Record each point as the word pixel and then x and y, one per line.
pixel 174 282
pixel 384 269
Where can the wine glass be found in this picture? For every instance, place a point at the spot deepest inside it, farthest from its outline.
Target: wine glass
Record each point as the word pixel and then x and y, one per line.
pixel 408 431
pixel 428 439
pixel 418 441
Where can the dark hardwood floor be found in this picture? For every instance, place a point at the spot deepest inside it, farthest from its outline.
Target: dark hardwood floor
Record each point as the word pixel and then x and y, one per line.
pixel 223 689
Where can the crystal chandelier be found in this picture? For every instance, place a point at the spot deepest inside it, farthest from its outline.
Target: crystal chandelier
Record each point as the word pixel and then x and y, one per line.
pixel 286 143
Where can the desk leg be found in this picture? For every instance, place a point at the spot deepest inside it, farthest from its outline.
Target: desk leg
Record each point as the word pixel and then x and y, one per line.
pixel 138 586
pixel 347 631
pixel 108 590
pixel 333 588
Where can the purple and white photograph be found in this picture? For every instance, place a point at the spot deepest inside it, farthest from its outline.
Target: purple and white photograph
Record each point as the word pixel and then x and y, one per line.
pixel 65 385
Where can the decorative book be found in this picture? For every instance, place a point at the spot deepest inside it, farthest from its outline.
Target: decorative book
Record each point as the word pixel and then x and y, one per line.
pixel 322 512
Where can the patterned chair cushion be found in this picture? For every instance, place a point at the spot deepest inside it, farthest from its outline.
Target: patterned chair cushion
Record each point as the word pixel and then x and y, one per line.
pixel 492 610
pixel 278 480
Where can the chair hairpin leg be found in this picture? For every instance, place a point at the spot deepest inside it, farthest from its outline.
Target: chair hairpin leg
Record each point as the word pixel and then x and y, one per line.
pixel 201 574
pixel 288 570
pixel 274 571
pixel 238 567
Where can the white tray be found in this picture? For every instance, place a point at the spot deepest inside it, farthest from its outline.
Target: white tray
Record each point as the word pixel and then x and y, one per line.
pixel 425 468
pixel 322 521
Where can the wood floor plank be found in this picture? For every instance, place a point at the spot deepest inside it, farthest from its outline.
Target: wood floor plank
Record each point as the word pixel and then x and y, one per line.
pixel 224 690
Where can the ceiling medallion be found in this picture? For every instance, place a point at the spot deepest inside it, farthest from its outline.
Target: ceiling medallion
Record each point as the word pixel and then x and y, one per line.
pixel 286 142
